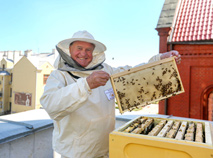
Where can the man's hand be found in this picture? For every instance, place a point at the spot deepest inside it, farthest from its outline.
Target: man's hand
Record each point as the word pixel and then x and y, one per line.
pixel 170 54
pixel 97 79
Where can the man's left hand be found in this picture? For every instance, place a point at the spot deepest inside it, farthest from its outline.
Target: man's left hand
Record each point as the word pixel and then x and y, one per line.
pixel 171 54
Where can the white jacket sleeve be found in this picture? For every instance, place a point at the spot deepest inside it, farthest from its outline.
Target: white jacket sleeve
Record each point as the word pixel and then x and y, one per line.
pixel 60 99
pixel 152 59
pixel 155 58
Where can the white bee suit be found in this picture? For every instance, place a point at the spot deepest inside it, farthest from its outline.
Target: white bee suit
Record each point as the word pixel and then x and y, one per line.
pixel 83 117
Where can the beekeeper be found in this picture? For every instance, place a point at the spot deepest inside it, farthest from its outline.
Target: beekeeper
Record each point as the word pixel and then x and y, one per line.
pixel 78 96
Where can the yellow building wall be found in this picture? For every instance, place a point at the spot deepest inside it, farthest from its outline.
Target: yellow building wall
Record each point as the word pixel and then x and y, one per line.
pixel 8 88
pixel 1 99
pixel 24 82
pixel 45 69
pixel 3 62
pixel 6 93
pixel 8 64
pixel 5 86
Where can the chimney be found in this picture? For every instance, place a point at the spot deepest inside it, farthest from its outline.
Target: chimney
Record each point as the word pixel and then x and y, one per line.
pixel 28 53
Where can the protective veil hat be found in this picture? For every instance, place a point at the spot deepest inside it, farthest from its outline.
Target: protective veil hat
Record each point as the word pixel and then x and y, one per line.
pixel 85 37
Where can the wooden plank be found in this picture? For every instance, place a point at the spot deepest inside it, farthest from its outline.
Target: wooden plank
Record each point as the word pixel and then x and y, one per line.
pixel 127 124
pixel 116 96
pixel 166 128
pixel 142 120
pixel 173 130
pixel 181 131
pixel 143 127
pixel 157 128
pixel 208 133
pixel 148 122
pixel 189 136
pixel 145 84
pixel 171 133
pixel 131 127
pixel 140 128
pixel 190 132
pixel 139 68
pixel 199 132
pixel 176 125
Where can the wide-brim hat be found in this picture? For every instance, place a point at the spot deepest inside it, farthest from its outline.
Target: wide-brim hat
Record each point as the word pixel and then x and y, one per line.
pixel 85 37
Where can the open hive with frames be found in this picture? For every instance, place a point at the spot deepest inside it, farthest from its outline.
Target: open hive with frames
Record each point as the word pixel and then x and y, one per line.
pixel 170 128
pixel 146 84
pixel 162 137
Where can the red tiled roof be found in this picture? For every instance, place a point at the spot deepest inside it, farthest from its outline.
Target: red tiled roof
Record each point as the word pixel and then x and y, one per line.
pixel 194 21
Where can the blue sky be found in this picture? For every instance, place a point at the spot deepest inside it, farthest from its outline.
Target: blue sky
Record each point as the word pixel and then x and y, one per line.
pixel 126 27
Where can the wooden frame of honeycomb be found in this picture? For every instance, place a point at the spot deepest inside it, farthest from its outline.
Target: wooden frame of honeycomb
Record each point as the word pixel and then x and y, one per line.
pixel 146 84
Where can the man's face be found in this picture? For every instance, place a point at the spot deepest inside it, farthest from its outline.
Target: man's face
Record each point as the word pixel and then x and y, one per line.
pixel 81 52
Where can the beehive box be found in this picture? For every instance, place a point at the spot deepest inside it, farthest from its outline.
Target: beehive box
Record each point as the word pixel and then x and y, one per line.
pixel 151 137
pixel 145 84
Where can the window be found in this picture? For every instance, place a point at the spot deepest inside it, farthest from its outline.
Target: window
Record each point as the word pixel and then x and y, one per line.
pixel 11 79
pixel 45 78
pixel 10 107
pixel 10 92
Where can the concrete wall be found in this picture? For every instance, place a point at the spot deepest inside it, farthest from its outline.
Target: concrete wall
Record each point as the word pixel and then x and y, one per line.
pixel 26 135
pixel 36 145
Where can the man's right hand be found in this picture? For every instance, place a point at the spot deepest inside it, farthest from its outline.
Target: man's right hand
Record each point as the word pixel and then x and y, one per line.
pixel 97 79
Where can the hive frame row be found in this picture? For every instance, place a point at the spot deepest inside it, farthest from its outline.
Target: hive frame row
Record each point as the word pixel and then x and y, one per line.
pixel 207 129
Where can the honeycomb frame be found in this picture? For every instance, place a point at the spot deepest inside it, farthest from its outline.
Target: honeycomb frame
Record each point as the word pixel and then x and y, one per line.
pixel 143 85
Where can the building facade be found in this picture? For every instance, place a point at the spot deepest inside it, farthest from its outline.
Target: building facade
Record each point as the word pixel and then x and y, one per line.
pixel 186 26
pixel 22 82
